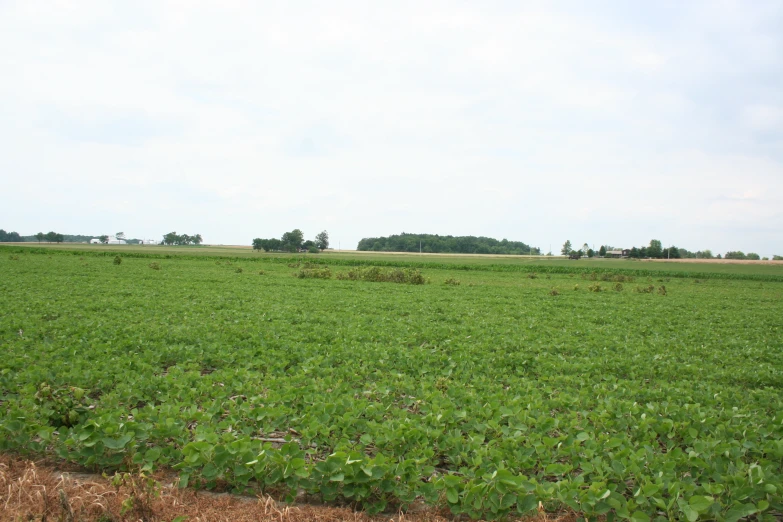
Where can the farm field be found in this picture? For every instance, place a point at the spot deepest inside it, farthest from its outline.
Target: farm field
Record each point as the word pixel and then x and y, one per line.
pixel 686 267
pixel 622 389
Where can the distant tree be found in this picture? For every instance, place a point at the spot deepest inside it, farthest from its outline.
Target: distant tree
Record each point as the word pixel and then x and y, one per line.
pixel 307 244
pixel 197 239
pixel 171 238
pixel 753 256
pixel 585 248
pixel 566 250
pixel 103 239
pixel 718 257
pixel 590 252
pixel 120 236
pixel 59 238
pixel 602 251
pixel 258 244
pixel 51 237
pixel 635 253
pixel 292 241
pixel 655 249
pixel 40 236
pixel 10 237
pixel 671 253
pixel 735 255
pixel 322 240
pixel 777 258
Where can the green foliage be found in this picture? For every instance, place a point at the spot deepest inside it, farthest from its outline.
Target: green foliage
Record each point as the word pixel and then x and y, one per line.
pixel 451 281
pixel 117 260
pixel 433 243
pixel 322 240
pixel 567 249
pixel 313 249
pixel 735 255
pixel 378 274
pixel 483 400
pixel 154 265
pixel 292 241
pixel 11 237
pixel 309 272
pixel 655 250
pixel 777 258
pixel 172 238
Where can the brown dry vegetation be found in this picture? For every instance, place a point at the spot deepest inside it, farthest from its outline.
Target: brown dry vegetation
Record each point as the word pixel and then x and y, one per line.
pixel 35 491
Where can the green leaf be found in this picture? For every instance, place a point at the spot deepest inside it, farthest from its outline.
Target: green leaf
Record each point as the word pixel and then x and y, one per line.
pixel 152 454
pixel 699 503
pixel 452 496
pixel 116 444
pixel 690 514
pixel 740 511
pixel 640 516
pixel 526 503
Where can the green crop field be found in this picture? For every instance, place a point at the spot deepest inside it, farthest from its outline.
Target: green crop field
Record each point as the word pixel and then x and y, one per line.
pixel 627 390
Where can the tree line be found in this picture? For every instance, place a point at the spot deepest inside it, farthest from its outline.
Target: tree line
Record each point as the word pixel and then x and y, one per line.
pixel 293 241
pixel 655 250
pixel 434 243
pixel 172 238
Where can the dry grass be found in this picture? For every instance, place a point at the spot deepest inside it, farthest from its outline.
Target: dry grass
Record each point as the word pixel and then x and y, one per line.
pixel 30 491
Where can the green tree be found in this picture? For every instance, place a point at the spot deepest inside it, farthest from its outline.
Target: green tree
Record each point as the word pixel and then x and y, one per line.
pixel 735 255
pixel 753 256
pixel 590 252
pixel 103 239
pixel 292 241
pixel 197 239
pixel 51 236
pixel 120 236
pixel 40 236
pixel 171 238
pixel 602 251
pixel 59 238
pixel 322 240
pixel 258 244
pixel 566 250
pixel 655 249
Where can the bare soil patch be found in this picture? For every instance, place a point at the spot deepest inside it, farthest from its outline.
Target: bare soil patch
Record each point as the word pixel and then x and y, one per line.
pixel 37 491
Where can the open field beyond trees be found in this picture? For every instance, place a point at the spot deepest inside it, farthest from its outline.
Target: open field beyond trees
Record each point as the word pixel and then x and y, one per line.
pixel 624 389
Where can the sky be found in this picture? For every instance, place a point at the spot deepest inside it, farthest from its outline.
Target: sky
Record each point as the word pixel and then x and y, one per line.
pixel 601 122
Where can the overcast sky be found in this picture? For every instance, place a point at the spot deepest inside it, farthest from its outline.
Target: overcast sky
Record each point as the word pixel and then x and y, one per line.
pixel 606 122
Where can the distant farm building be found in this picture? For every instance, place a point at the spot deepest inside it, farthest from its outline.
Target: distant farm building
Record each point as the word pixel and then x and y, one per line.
pixel 618 253
pixel 147 242
pixel 95 241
